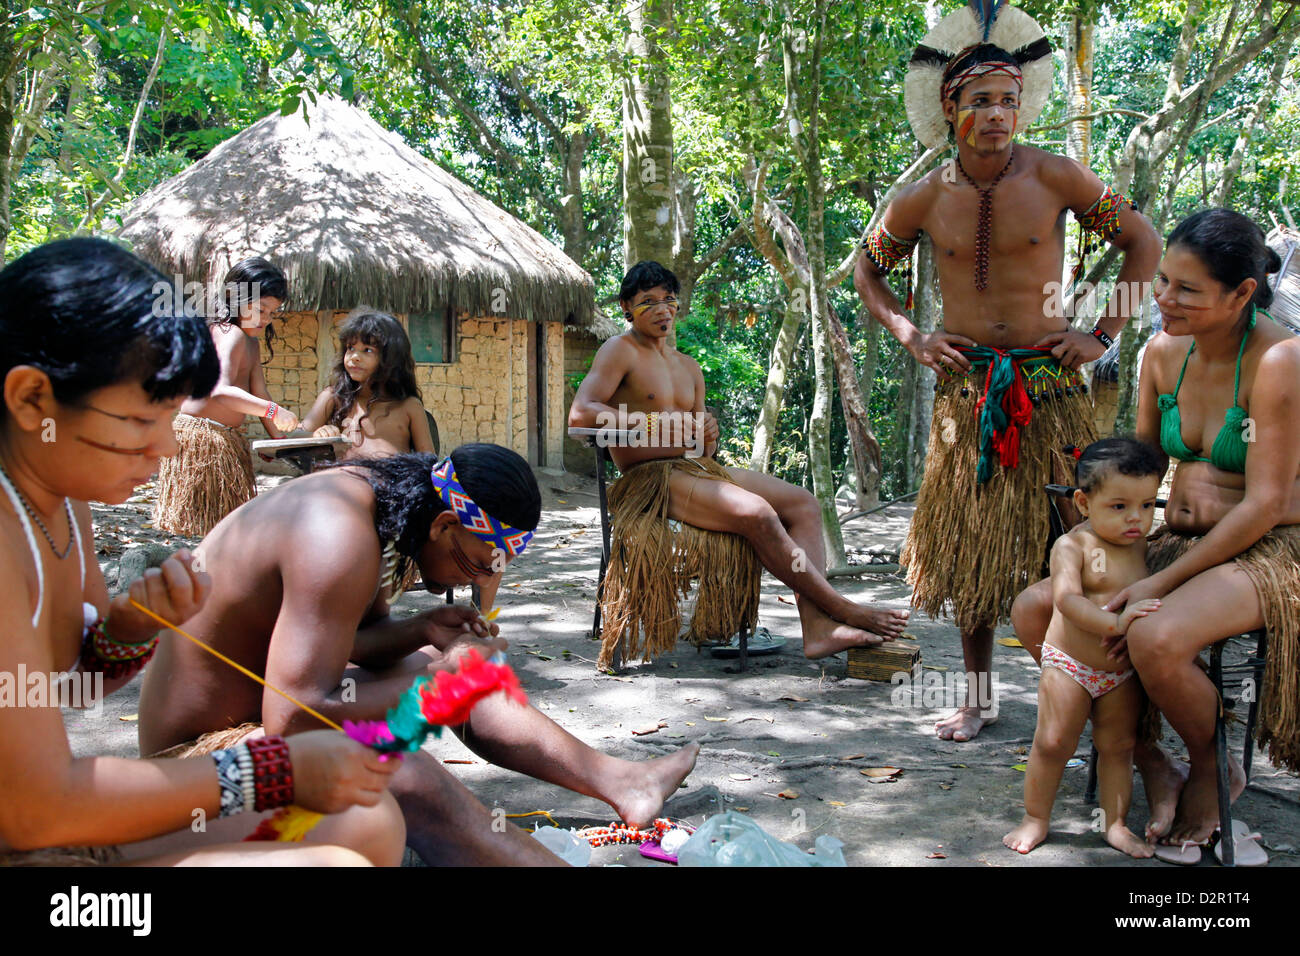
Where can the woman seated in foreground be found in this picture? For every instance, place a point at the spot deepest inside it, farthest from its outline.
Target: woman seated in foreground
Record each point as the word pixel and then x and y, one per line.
pixel 1219 391
pixel 93 376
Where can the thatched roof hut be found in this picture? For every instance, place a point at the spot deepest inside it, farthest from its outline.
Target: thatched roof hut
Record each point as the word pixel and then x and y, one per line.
pixel 497 314
pixel 352 214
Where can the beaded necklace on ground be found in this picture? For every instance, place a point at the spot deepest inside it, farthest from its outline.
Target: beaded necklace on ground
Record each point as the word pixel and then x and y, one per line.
pixel 41 524
pixel 984 231
pixel 625 833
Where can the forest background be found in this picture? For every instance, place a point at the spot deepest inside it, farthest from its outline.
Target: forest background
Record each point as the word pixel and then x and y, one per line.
pixel 747 145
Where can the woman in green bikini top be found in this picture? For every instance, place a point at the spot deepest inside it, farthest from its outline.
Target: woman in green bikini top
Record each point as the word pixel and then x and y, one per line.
pixel 1229 449
pixel 1235 511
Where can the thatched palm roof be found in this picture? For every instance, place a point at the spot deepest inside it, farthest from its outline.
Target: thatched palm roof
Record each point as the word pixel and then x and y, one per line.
pixel 353 215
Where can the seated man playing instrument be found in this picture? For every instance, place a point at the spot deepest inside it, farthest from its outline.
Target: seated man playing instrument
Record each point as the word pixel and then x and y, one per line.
pixel 303 577
pixel 640 372
pixel 1010 398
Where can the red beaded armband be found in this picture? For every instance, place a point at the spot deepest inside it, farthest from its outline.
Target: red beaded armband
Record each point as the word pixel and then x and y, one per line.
pixel 1103 216
pixel 272 772
pixel 115 659
pixel 886 249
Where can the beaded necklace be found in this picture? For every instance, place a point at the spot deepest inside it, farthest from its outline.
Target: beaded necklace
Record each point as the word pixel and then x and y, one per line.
pixel 67 507
pixel 984 230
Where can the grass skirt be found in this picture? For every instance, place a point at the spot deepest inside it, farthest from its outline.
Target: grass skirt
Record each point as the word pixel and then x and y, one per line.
pixel 1273 565
pixel 978 546
pixel 210 476
pixel 651 566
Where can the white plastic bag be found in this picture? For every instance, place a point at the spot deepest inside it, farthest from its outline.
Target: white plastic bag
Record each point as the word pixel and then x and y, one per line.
pixel 733 839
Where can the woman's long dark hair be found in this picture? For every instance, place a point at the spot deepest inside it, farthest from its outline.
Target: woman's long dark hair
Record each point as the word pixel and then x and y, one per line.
pixel 1232 248
pixel 89 314
pixel 394 379
pixel 248 280
pixel 498 479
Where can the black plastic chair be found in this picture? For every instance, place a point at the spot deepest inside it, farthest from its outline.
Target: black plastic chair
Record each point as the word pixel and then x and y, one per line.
pixel 1252 665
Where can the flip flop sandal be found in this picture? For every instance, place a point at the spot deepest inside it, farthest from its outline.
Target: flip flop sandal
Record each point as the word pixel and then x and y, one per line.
pixel 1189 854
pixel 1246 849
pixel 760 642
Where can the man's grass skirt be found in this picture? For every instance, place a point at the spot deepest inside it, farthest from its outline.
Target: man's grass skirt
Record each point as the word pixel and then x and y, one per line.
pixel 209 477
pixel 973 547
pixel 1273 565
pixel 651 566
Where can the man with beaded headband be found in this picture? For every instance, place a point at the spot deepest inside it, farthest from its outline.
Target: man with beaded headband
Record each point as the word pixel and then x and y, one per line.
pixel 1009 396
pixel 303 578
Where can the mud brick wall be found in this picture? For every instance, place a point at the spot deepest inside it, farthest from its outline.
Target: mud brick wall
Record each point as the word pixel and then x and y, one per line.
pixel 579 349
pixel 481 396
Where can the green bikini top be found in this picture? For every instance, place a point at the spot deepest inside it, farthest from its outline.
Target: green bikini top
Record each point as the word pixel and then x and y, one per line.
pixel 1229 449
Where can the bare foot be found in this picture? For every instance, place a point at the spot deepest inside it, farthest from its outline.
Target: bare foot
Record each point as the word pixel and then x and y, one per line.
pixel 963 725
pixel 1198 808
pixel 1163 777
pixel 650 783
pixel 1126 841
pixel 823 636
pixel 888 624
pixel 1031 832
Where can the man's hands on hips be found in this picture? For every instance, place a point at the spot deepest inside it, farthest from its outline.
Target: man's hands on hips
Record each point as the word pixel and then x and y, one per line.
pixel 1073 348
pixel 937 350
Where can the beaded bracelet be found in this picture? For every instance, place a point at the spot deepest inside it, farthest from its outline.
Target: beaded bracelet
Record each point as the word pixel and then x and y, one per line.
pixel 230 779
pixel 114 658
pixel 272 773
pixel 1102 337
pixel 271 409
pixel 254 775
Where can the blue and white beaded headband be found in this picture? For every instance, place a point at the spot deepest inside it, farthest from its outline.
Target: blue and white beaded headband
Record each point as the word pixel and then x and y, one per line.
pixel 473 518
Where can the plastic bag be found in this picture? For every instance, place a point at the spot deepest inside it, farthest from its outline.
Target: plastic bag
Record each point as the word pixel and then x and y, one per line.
pixel 733 839
pixel 565 844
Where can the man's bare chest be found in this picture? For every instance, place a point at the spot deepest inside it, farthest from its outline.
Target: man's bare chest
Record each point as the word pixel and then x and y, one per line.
pixel 1026 221
pixel 659 382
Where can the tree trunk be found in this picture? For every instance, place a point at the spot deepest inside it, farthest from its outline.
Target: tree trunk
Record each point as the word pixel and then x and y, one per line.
pixel 926 317
pixel 1230 172
pixel 864 449
pixel 774 394
pixel 648 228
pixel 1079 49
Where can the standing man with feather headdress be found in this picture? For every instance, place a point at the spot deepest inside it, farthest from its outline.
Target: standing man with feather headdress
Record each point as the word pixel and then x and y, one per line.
pixel 1010 399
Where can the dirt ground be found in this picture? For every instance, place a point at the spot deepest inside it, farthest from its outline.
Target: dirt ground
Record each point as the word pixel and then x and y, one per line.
pixel 785 742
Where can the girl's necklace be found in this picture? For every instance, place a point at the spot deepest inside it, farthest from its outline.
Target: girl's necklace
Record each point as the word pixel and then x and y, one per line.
pixel 27 505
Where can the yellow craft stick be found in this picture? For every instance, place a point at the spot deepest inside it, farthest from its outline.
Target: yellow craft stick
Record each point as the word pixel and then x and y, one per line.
pixel 239 667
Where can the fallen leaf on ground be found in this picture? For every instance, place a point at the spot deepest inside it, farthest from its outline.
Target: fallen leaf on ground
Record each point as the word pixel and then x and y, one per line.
pixel 458 761
pixel 881 771
pixel 935 856
pixel 647 729
pixel 945 786
pixel 717 720
pixel 958 766
pixel 1021 767
pixel 784 600
pixel 853 757
pixel 788 794
pixel 773 753
pixel 934 667
pixel 1009 642
pixel 794 697
pixel 690 723
pixel 740 776
pixel 129 717
pixel 770 720
pixel 836 803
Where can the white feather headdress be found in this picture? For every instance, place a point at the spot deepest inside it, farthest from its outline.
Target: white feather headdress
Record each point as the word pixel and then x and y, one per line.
pixel 988 21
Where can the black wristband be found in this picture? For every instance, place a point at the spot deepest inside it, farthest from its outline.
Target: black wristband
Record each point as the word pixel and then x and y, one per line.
pixel 1102 337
